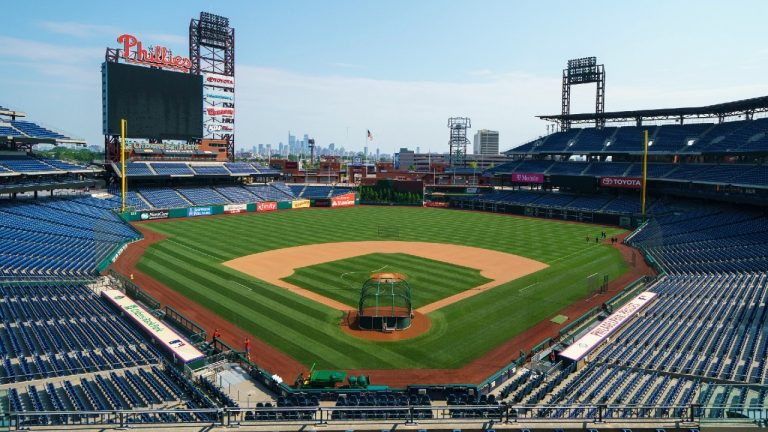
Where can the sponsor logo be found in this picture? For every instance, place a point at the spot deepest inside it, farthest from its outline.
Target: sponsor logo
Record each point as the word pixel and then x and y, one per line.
pixel 218 96
pixel 621 182
pixel 158 56
pixel 346 200
pixel 199 211
pixel 435 204
pixel 528 178
pixel 154 215
pixel 220 112
pixel 266 206
pixel 235 208
pixel 219 127
pixel 300 204
pixel 218 80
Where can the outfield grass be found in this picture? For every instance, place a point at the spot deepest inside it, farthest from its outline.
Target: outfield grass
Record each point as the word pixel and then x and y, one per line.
pixel 429 280
pixel 189 261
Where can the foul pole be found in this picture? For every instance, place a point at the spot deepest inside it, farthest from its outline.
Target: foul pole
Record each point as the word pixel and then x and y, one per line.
pixel 123 176
pixel 645 168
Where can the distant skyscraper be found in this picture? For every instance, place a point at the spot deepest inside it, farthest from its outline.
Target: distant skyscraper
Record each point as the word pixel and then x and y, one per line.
pixel 486 142
pixel 291 143
pixel 365 151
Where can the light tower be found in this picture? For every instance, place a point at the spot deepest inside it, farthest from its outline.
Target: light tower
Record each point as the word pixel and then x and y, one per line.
pixel 583 71
pixel 212 51
pixel 458 141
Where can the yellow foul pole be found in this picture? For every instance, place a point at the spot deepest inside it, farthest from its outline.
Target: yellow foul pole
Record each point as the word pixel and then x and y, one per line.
pixel 122 164
pixel 645 168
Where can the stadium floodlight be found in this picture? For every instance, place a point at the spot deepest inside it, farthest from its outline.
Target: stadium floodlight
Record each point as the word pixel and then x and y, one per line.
pixel 583 70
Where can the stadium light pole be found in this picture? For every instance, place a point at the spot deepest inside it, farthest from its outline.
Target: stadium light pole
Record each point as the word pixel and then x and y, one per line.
pixel 645 168
pixel 123 124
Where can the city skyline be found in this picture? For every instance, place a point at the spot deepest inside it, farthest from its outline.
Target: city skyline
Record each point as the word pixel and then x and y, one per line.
pixel 358 66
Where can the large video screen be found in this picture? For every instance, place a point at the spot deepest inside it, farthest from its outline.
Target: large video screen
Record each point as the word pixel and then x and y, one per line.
pixel 157 104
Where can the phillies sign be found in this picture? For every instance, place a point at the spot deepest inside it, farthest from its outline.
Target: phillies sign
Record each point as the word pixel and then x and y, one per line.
pixel 159 56
pixel 528 178
pixel 622 182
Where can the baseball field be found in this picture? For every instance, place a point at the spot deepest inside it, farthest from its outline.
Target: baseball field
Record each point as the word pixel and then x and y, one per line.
pixel 302 317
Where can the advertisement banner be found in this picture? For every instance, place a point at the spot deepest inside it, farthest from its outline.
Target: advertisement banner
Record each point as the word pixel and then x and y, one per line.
pixel 199 211
pixel 219 127
pixel 170 340
pixel 266 206
pixel 235 208
pixel 219 112
pixel 218 80
pixel 528 178
pixel 592 339
pixel 221 96
pixel 346 200
pixel 621 182
pixel 152 215
pixel 436 204
pixel 302 203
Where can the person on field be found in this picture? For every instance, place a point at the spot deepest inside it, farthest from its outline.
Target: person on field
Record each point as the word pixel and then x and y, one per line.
pixel 216 333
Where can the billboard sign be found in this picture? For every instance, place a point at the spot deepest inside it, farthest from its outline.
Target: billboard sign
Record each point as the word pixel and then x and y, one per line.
pixel 235 208
pixel 607 327
pixel 157 56
pixel 152 215
pixel 302 203
pixel 346 200
pixel 528 178
pixel 621 182
pixel 266 206
pixel 170 340
pixel 199 211
pixel 218 80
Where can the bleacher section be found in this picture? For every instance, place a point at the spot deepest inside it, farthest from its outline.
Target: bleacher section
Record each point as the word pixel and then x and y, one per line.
pixel 42 238
pixel 34 130
pixel 23 164
pixel 55 329
pixel 164 198
pixel 742 136
pixel 731 173
pixel 180 169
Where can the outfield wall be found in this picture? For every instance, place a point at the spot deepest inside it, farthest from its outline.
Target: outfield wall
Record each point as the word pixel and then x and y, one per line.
pixel 346 200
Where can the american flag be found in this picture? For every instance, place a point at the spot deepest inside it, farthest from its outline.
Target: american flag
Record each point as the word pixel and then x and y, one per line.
pixel 370 135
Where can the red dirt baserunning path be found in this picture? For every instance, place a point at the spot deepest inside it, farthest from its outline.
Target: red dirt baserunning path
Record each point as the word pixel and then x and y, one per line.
pixel 276 362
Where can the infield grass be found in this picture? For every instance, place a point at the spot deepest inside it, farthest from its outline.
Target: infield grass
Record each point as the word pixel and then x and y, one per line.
pixel 429 280
pixel 189 261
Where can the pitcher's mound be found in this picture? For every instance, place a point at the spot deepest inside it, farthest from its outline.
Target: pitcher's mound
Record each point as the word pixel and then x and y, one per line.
pixel 420 324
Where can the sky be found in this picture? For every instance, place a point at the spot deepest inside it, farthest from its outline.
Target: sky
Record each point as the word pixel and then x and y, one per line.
pixel 400 68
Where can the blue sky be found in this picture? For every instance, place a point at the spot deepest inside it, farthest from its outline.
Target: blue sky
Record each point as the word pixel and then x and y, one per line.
pixel 400 68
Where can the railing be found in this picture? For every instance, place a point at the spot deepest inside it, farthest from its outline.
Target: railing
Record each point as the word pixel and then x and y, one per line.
pixel 391 415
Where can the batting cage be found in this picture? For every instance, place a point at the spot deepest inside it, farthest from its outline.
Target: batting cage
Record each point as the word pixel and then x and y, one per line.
pixel 385 303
